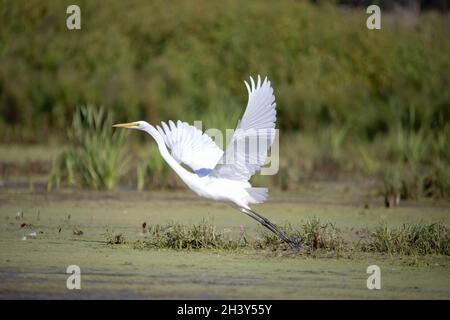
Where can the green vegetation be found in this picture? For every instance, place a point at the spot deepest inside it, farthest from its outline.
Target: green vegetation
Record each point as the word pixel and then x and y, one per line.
pixel 153 172
pixel 411 239
pixel 95 156
pixel 312 234
pixel 136 59
pixel 115 238
pixel 411 165
pixel 350 100
pixel 198 236
pixel 316 238
pixel 113 265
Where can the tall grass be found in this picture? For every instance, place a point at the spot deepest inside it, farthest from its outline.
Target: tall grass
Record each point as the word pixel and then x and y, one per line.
pixel 95 155
pixel 416 163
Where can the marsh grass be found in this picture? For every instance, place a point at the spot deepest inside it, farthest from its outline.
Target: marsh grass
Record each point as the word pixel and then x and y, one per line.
pixel 410 239
pixel 416 164
pixel 153 172
pixel 314 236
pixel 317 238
pixel 113 238
pixel 196 236
pixel 96 155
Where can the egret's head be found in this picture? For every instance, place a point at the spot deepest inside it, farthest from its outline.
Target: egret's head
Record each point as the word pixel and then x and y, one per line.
pixel 140 125
pixel 144 126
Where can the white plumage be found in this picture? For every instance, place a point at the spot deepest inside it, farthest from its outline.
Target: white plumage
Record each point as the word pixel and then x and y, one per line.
pixel 189 145
pixel 197 150
pixel 257 124
pixel 219 175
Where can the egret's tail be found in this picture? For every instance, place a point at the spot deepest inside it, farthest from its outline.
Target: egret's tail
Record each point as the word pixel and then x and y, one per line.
pixel 257 195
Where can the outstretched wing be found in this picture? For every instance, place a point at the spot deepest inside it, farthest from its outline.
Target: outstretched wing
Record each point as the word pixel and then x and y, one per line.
pixel 254 135
pixel 190 146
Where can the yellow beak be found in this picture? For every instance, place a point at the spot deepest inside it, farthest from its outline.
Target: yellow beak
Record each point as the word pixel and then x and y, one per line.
pixel 125 125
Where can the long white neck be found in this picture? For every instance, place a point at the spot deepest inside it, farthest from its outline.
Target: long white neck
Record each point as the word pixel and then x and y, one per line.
pixel 184 174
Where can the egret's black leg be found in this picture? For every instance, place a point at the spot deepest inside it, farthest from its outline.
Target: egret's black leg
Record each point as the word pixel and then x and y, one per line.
pixel 293 243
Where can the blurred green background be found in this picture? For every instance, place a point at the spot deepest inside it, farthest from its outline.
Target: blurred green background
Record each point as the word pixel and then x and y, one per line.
pixel 352 102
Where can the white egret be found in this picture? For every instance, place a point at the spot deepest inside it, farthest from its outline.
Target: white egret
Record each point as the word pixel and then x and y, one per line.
pixel 218 175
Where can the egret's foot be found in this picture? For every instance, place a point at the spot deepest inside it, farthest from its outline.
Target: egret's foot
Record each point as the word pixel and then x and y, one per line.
pixel 296 245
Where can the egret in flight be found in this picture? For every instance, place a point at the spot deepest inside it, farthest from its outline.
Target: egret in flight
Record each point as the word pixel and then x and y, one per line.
pixel 219 175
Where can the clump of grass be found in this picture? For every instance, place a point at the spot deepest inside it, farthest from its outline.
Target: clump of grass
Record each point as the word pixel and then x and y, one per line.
pixel 197 236
pixel 316 237
pixel 118 238
pixel 95 156
pixel 410 239
pixel 313 235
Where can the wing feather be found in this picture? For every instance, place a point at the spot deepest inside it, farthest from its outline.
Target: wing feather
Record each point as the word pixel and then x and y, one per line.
pixel 240 160
pixel 189 145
